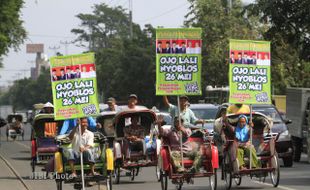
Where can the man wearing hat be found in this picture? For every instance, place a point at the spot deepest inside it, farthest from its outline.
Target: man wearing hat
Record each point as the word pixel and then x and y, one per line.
pixel 112 105
pixel 186 113
pixel 48 108
pixel 132 101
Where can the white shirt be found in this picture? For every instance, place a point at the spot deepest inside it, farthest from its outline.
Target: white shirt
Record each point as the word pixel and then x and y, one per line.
pixel 264 62
pixel 190 50
pixel 84 75
pixel 87 138
pixel 197 50
pixel 91 74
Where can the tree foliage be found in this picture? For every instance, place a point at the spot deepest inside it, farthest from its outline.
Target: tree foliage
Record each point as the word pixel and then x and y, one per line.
pixel 125 64
pixel 12 33
pixel 219 24
pixel 289 32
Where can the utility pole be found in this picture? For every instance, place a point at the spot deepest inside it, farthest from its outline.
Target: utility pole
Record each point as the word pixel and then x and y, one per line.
pixel 130 18
pixel 54 48
pixel 66 44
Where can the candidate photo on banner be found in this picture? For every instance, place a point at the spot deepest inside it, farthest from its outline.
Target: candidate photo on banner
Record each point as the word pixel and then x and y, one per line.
pixel 74 86
pixel 178 61
pixel 249 72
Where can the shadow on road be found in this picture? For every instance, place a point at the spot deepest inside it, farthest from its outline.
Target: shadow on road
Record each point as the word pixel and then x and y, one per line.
pixel 295 181
pixel 131 182
pixel 21 158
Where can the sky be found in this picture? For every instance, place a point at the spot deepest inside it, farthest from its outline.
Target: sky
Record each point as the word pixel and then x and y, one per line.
pixel 50 22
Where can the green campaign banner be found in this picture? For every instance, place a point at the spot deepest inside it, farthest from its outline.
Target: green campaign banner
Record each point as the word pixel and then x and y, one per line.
pixel 74 86
pixel 178 61
pixel 249 72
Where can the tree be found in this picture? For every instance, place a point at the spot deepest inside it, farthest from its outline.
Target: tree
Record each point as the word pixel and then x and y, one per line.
pixel 124 65
pixel 24 93
pixel 12 33
pixel 219 24
pixel 289 32
pixel 104 24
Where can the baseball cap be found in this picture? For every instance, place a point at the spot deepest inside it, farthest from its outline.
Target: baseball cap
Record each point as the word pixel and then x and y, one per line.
pixel 133 96
pixel 184 97
pixel 111 99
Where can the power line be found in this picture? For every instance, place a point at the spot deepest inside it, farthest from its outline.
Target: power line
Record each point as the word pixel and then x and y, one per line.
pixel 49 36
pixel 66 44
pixel 54 48
pixel 164 13
pixel 14 70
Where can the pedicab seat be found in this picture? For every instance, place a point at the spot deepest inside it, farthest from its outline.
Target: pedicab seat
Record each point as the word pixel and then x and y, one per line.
pixel 136 154
pixel 47 149
pixel 46 145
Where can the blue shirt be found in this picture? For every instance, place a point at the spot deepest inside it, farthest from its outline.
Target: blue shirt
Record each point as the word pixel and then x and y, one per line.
pixel 242 134
pixel 69 124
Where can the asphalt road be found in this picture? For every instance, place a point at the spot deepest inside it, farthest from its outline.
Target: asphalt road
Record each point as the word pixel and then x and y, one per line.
pixel 15 164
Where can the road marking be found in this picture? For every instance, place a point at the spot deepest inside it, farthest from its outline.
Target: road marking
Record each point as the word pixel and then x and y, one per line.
pixel 14 172
pixel 279 186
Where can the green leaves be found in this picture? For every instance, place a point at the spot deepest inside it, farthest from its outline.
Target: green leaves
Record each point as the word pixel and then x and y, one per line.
pixel 12 33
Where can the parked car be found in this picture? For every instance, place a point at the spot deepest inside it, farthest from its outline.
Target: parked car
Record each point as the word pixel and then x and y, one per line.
pixel 206 112
pixel 284 145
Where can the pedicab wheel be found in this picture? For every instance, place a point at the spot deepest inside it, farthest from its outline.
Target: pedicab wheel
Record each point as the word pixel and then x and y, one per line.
pixel 238 180
pixel 133 174
pixel 59 184
pixel 157 170
pixel 163 180
pixel 33 164
pixel 275 174
pixel 137 171
pixel 228 179
pixel 117 174
pixel 179 186
pixel 227 172
pixel 213 180
pixel 109 181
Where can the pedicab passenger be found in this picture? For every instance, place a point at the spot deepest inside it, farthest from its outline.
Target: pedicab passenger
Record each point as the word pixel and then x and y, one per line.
pixel 134 137
pixel 16 125
pixel 87 143
pixel 242 134
pixel 69 124
pixel 190 150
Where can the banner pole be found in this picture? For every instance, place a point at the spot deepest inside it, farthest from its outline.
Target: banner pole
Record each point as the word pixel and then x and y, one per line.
pixel 251 135
pixel 181 138
pixel 81 158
